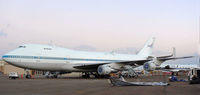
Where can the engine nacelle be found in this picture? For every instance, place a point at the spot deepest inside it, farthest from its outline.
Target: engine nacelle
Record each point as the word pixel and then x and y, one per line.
pixel 149 66
pixel 104 70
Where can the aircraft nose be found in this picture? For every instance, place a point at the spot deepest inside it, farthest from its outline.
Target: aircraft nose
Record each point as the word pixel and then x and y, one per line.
pixel 9 56
pixel 4 57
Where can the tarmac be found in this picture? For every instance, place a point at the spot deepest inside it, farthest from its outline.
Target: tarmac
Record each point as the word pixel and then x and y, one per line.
pixel 80 86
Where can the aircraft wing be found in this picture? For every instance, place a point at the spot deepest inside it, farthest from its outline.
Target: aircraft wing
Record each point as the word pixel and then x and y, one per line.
pixel 96 65
pixel 172 58
pixel 134 63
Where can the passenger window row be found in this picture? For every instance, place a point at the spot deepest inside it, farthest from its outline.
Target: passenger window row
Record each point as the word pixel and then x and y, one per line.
pixel 56 58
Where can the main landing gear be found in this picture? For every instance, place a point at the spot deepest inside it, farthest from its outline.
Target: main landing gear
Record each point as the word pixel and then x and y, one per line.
pixel 27 74
pixel 95 74
pixel 51 75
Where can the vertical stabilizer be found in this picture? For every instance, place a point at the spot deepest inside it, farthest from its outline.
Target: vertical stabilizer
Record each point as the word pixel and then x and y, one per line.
pixel 174 52
pixel 147 50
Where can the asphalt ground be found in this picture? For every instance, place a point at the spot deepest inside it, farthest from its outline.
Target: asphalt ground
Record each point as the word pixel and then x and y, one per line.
pixel 79 86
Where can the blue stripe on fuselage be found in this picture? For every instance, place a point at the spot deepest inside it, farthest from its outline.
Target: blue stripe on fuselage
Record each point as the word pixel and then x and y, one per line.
pixel 56 58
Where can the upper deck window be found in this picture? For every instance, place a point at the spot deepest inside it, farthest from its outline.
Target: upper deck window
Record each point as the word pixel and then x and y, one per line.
pixel 47 49
pixel 22 46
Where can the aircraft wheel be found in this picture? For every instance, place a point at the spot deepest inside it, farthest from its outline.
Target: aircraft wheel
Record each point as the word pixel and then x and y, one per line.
pixel 96 76
pixel 55 76
pixel 83 76
pixel 28 76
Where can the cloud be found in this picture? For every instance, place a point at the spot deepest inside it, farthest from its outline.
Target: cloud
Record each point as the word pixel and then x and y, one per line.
pixel 2 33
pixel 85 48
pixel 3 30
pixel 126 50
pixel 2 52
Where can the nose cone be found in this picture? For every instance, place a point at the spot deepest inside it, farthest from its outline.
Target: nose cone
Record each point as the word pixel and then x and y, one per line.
pixel 14 57
pixel 4 57
pixel 10 56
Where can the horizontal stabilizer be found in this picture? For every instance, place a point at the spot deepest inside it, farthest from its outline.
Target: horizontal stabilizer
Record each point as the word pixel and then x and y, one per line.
pixel 173 58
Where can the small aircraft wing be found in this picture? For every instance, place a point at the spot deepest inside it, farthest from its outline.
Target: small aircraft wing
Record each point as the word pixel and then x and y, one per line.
pixel 174 69
pixel 179 69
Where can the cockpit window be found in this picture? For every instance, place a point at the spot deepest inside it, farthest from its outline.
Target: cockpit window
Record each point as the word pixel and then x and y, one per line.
pixel 22 46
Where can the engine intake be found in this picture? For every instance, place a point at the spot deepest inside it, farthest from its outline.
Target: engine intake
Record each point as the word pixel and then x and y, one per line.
pixel 104 70
pixel 149 66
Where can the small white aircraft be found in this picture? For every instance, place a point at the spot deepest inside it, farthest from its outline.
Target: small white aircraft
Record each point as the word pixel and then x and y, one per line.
pixel 179 68
pixel 57 59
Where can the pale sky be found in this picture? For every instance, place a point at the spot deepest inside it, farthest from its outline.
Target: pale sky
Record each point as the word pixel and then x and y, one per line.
pixel 101 25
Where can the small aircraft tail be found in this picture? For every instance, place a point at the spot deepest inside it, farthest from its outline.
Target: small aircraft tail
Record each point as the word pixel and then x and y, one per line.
pixel 147 50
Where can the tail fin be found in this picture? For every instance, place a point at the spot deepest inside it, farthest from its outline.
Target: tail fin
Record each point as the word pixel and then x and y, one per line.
pixel 147 50
pixel 174 52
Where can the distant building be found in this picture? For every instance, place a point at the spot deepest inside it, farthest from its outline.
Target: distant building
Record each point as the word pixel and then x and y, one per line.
pixel 6 68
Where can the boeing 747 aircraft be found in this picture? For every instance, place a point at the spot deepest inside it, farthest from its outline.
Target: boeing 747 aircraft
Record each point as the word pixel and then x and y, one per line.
pixel 57 59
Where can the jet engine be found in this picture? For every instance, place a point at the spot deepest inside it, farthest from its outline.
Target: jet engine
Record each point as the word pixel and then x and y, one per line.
pixel 149 66
pixel 105 70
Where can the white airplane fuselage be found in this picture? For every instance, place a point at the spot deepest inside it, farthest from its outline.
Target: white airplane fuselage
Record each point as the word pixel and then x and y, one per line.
pixel 45 57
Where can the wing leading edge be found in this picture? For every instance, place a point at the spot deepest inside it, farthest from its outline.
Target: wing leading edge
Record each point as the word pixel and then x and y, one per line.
pixel 96 65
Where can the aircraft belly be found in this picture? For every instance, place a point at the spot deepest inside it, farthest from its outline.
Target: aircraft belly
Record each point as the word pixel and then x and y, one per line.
pixel 41 64
pixel 71 64
pixel 52 65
